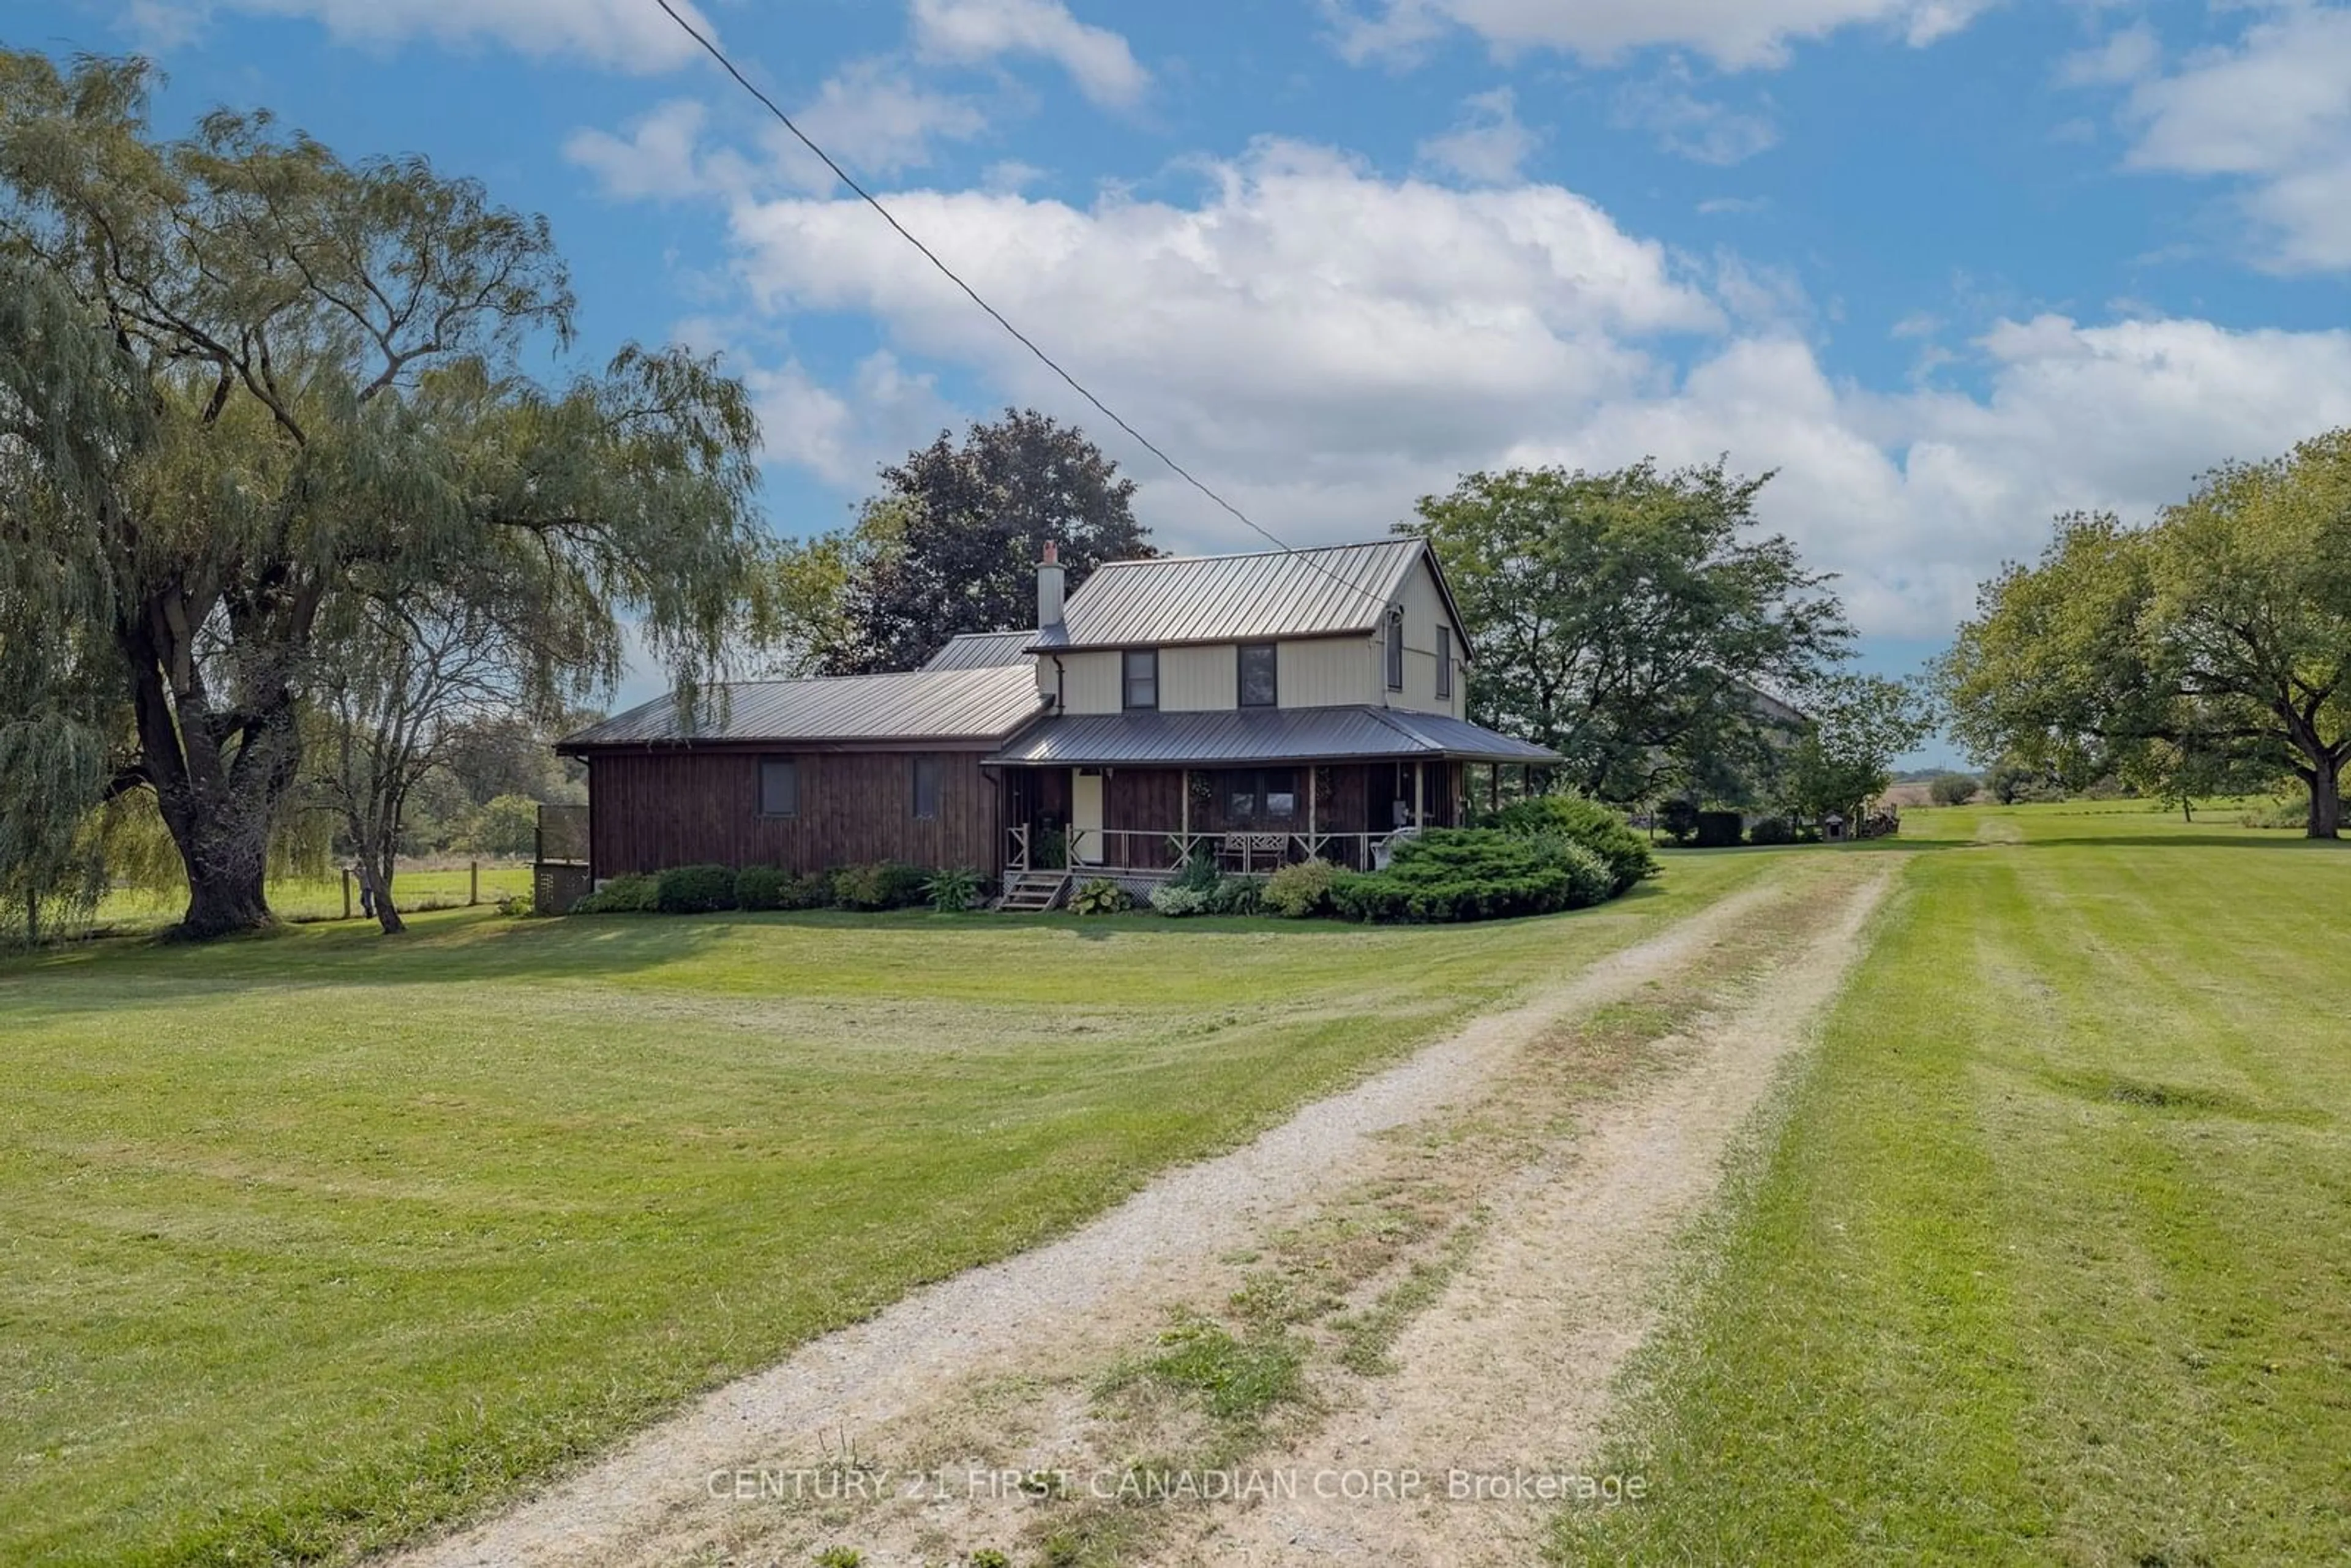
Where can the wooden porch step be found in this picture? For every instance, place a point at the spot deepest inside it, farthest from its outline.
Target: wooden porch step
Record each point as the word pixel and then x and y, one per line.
pixel 1033 892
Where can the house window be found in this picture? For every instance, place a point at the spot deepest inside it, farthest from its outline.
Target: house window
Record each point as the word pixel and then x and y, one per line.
pixel 780 787
pixel 1258 686
pixel 1141 677
pixel 1444 661
pixel 926 788
pixel 1395 647
pixel 1261 796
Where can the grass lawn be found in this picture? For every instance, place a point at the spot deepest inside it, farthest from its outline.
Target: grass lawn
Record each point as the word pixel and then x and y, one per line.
pixel 311 1242
pixel 321 898
pixel 2048 1254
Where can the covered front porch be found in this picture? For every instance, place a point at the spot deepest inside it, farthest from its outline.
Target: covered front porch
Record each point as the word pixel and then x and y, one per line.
pixel 1146 821
pixel 1135 794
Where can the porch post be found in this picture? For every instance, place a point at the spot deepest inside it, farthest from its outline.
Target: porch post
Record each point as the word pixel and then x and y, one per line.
pixel 1313 778
pixel 1184 814
pixel 1420 794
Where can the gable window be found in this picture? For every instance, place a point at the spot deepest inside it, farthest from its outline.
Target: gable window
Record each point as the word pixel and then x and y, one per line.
pixel 1395 647
pixel 1261 796
pixel 1444 661
pixel 780 787
pixel 926 788
pixel 1258 686
pixel 1141 678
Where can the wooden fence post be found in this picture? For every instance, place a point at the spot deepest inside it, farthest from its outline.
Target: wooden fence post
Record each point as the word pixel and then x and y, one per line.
pixel 473 883
pixel 347 892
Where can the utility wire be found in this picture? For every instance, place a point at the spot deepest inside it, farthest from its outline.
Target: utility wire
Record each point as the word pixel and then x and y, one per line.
pixel 1043 358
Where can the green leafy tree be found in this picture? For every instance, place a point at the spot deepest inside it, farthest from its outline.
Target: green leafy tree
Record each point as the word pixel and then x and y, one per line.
pixel 957 548
pixel 1860 723
pixel 245 385
pixel 2215 642
pixel 507 825
pixel 1953 789
pixel 1629 621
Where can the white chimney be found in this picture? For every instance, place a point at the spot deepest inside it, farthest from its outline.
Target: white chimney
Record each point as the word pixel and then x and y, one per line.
pixel 1048 587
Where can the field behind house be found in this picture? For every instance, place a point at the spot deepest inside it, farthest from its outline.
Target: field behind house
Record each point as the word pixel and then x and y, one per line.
pixel 416 887
pixel 308 1242
pixel 2048 1257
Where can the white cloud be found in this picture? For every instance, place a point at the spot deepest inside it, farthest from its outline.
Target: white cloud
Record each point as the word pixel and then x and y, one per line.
pixel 660 159
pixel 2273 111
pixel 1666 106
pixel 2126 56
pixel 869 116
pixel 973 32
pixel 1486 145
pixel 872 115
pixel 1010 175
pixel 629 35
pixel 1734 34
pixel 1322 345
pixel 841 439
pixel 1301 303
pixel 1917 494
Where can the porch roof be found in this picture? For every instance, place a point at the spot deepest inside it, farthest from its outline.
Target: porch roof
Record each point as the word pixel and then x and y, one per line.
pixel 1236 735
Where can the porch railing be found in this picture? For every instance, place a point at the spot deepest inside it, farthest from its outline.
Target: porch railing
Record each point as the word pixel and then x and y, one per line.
pixel 1128 850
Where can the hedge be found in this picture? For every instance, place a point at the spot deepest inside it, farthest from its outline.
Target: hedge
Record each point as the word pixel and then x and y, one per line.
pixel 699 889
pixel 1597 827
pixel 1475 874
pixel 1720 830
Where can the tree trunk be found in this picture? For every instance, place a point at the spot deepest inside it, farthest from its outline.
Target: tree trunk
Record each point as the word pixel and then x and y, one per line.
pixel 2326 780
pixel 227 861
pixel 219 803
pixel 379 871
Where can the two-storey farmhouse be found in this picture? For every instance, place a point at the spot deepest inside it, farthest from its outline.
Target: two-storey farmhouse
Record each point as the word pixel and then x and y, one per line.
pixel 1267 707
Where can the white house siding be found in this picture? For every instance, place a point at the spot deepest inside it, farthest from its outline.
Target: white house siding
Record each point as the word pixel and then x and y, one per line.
pixel 1090 682
pixel 1424 612
pixel 1310 672
pixel 1327 672
pixel 1199 680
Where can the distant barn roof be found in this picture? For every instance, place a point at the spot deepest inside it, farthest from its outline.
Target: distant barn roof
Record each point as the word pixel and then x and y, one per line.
pixel 982 704
pixel 984 650
pixel 1227 598
pixel 1258 735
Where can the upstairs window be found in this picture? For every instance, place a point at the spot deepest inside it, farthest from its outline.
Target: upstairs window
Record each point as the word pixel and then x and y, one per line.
pixel 926 788
pixel 1141 678
pixel 1395 647
pixel 780 787
pixel 1444 661
pixel 1258 686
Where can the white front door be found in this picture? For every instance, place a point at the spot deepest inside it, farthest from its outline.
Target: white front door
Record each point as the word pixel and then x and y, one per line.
pixel 1086 817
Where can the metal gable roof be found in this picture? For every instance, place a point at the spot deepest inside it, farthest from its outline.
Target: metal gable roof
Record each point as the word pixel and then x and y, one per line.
pixel 971 704
pixel 984 650
pixel 1225 598
pixel 1257 735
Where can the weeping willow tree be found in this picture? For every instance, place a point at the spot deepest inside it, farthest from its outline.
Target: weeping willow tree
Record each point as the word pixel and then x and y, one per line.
pixel 246 387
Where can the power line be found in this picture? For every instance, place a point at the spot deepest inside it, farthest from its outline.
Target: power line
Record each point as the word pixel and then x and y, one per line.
pixel 728 66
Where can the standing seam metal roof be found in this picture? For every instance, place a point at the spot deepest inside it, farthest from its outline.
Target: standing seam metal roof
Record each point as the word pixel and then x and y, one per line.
pixel 983 650
pixel 1220 599
pixel 1258 735
pixel 985 704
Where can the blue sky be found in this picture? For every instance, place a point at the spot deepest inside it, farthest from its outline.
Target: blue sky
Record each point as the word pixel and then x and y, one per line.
pixel 1948 266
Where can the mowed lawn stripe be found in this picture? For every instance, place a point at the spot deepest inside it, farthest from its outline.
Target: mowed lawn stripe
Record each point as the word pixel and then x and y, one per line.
pixel 308 1243
pixel 2047 1255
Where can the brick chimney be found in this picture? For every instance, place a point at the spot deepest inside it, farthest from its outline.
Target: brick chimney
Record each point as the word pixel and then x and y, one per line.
pixel 1048 587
